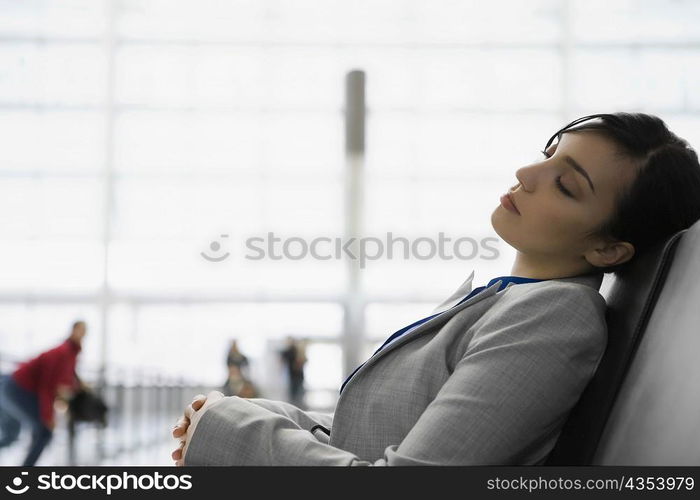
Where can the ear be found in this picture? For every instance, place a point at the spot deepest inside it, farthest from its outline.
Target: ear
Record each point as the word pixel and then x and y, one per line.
pixel 609 253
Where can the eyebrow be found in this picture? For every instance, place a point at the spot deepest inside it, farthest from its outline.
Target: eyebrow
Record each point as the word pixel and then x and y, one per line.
pixel 579 169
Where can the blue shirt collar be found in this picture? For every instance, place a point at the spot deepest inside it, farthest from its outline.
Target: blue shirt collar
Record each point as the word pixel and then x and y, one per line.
pixel 505 280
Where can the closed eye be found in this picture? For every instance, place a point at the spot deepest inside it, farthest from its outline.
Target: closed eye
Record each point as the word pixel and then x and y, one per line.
pixel 558 179
pixel 562 188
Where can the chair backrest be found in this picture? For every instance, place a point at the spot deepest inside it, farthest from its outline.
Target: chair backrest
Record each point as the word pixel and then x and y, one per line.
pixel 632 300
pixel 656 417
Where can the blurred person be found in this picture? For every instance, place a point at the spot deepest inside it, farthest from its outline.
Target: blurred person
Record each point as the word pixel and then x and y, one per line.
pixel 490 377
pixel 238 385
pixel 236 358
pixel 248 390
pixel 294 358
pixel 27 395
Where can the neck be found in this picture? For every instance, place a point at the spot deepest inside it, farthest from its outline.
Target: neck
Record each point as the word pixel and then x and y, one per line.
pixel 528 266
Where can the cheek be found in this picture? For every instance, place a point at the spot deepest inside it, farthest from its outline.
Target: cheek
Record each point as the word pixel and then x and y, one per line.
pixel 557 220
pixel 566 228
pixel 554 228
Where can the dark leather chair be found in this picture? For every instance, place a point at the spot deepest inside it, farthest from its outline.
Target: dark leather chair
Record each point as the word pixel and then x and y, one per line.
pixel 642 406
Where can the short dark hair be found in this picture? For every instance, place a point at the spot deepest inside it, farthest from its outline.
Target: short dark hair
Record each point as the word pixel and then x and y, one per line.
pixel 664 198
pixel 76 323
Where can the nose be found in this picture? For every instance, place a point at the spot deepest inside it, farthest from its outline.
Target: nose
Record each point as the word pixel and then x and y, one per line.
pixel 527 176
pixel 521 174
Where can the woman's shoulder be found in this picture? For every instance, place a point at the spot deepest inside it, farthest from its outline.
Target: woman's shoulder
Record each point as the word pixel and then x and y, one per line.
pixel 563 291
pixel 556 317
pixel 553 301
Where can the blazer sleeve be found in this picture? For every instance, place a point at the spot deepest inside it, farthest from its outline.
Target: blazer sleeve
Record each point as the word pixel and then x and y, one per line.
pixel 508 396
pixel 309 420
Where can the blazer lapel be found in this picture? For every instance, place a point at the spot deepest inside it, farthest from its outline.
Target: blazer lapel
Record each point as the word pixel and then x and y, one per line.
pixel 593 280
pixel 442 318
pixel 461 292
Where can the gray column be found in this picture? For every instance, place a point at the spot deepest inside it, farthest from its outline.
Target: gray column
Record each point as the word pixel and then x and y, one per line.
pixel 353 324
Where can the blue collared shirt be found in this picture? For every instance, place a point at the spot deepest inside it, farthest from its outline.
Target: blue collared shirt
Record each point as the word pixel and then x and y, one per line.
pixel 505 280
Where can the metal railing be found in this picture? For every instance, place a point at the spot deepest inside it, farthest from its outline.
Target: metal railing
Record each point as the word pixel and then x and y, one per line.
pixel 140 415
pixel 142 408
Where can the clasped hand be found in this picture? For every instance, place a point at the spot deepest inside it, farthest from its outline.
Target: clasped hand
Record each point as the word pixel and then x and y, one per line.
pixel 185 427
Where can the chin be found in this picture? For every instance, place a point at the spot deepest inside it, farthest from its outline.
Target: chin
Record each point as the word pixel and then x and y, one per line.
pixel 497 222
pixel 502 228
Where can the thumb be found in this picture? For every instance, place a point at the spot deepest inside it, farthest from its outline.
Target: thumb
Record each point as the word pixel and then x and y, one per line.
pixel 212 397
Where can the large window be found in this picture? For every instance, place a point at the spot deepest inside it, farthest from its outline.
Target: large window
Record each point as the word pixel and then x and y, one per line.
pixel 137 133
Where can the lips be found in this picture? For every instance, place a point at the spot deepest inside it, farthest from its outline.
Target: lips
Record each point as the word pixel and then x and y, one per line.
pixel 512 200
pixel 508 203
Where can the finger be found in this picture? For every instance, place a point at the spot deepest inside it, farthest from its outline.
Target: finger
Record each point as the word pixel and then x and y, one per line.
pixel 182 420
pixel 189 411
pixel 177 454
pixel 181 427
pixel 180 461
pixel 198 403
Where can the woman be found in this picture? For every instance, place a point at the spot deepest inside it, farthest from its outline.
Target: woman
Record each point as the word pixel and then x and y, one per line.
pixel 491 377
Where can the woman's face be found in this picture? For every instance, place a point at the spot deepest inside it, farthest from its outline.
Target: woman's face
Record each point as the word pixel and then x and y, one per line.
pixel 552 224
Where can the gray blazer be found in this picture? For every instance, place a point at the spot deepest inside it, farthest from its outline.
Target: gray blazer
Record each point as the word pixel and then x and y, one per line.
pixel 489 382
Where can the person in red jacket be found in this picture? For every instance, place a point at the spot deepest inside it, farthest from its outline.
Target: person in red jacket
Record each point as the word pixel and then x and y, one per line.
pixel 27 395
